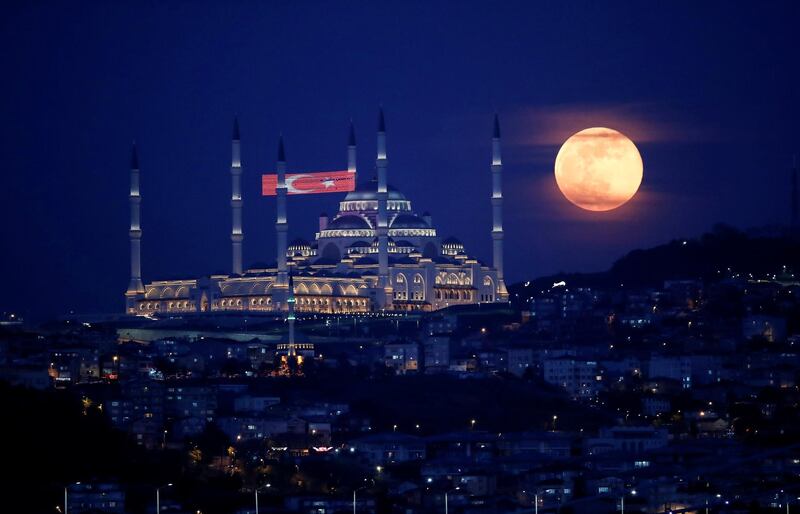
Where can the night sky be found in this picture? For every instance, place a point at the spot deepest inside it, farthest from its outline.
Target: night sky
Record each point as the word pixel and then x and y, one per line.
pixel 707 90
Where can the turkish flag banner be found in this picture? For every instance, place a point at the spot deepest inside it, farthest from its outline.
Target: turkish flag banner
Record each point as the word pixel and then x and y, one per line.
pixel 310 183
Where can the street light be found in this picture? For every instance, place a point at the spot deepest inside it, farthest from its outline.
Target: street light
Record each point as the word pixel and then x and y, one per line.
pixel 158 496
pixel 445 497
pixel 622 501
pixel 66 491
pixel 355 491
pixel 267 485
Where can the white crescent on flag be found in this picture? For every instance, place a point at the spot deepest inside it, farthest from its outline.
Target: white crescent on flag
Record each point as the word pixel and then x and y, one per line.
pixel 290 179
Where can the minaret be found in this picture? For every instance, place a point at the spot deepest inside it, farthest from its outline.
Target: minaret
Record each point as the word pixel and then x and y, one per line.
pixel 236 200
pixel 497 211
pixel 351 151
pixel 281 227
pixel 794 213
pixel 383 222
pixel 291 350
pixel 135 286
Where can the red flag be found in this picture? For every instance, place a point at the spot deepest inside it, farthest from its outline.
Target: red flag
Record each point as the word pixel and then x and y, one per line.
pixel 310 183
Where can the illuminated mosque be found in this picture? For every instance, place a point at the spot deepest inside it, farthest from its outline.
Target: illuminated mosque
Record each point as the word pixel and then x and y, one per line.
pixel 375 255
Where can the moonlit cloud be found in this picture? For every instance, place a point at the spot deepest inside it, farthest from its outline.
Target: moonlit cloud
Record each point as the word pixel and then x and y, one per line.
pixel 545 126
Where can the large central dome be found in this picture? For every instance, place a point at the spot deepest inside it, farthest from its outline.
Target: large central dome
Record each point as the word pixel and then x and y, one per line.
pixel 369 191
pixel 364 202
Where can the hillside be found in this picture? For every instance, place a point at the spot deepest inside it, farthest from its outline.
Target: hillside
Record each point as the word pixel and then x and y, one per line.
pixel 720 253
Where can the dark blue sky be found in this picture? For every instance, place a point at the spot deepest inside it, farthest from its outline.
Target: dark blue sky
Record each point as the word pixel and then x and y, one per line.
pixel 707 90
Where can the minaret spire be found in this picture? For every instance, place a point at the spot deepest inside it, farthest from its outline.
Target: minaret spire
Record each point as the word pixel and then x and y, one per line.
pixel 281 227
pixel 237 235
pixel 497 212
pixel 135 286
pixel 382 221
pixel 134 157
pixel 794 221
pixel 292 348
pixel 351 151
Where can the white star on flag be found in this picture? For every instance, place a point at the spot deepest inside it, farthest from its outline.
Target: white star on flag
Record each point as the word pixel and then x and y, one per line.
pixel 328 183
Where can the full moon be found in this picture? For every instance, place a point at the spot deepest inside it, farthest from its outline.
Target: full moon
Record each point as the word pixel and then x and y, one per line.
pixel 598 169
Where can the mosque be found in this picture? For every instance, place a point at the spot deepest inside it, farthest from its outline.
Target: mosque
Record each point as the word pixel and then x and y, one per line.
pixel 375 255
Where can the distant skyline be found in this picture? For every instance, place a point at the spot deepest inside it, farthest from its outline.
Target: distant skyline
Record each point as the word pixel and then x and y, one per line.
pixel 708 92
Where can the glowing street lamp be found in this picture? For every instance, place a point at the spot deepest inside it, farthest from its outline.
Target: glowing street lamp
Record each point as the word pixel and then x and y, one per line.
pixel 267 485
pixel 622 501
pixel 66 494
pixel 356 491
pixel 445 497
pixel 158 496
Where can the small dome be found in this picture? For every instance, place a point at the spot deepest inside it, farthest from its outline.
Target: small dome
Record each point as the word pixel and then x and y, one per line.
pixel 452 247
pixel 408 221
pixel 349 221
pixel 360 244
pixel 405 244
pixel 299 248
